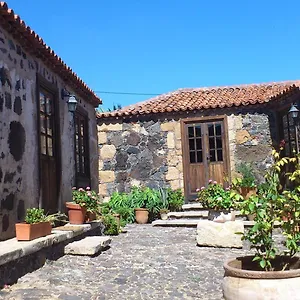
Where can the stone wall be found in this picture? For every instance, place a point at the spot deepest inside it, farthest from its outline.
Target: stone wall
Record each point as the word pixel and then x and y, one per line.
pixel 144 152
pixel 139 153
pixel 251 137
pixel 19 174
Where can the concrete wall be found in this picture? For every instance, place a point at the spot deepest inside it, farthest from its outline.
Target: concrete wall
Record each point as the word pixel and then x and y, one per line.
pixel 149 151
pixel 19 188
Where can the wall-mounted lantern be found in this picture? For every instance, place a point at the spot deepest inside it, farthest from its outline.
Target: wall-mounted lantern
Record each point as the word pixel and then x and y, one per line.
pixel 72 102
pixel 294 113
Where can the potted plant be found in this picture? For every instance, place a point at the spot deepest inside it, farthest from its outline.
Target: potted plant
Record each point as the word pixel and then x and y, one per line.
pixel 269 272
pixel 175 199
pixel 77 209
pixel 247 182
pixel 36 224
pixel 140 198
pixel 218 200
pixel 164 204
pixel 92 203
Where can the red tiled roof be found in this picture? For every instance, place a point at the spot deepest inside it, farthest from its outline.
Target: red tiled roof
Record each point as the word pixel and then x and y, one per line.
pixel 204 98
pixel 34 44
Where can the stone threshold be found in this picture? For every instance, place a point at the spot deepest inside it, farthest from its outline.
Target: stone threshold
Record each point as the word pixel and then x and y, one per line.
pixel 12 249
pixel 194 222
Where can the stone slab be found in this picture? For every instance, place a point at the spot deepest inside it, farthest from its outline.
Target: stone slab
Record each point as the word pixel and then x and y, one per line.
pixel 193 206
pixel 12 249
pixel 90 245
pixel 213 234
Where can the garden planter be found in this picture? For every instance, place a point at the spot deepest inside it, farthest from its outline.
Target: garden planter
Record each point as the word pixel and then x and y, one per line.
pixel 118 219
pixel 28 232
pixel 221 215
pixel 141 215
pixel 76 213
pixel 246 192
pixel 241 282
pixel 90 216
pixel 164 216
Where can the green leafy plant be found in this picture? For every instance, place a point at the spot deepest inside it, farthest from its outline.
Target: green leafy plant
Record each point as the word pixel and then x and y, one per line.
pixel 35 215
pixel 175 200
pixel 273 203
pixel 247 179
pixel 111 226
pixel 215 197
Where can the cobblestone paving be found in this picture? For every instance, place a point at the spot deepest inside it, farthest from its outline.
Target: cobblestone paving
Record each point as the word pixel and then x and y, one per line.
pixel 144 263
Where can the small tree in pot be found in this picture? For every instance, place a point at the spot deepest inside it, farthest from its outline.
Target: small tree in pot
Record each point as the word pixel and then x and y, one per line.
pixel 251 276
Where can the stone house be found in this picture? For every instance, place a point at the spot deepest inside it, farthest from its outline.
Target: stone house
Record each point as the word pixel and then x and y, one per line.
pixel 184 138
pixel 41 155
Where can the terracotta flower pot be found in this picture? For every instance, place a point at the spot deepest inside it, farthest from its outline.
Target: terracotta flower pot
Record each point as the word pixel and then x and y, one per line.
pixel 241 282
pixel 76 213
pixel 28 232
pixel 90 216
pixel 141 215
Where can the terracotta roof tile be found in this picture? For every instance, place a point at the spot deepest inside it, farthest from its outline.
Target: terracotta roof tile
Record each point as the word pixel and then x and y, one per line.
pixel 33 43
pixel 204 98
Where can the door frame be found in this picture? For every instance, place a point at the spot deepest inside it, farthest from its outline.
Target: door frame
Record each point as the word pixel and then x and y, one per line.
pixel 185 156
pixel 41 82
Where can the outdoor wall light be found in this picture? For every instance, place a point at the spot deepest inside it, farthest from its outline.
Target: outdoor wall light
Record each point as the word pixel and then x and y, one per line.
pixel 72 104
pixel 294 113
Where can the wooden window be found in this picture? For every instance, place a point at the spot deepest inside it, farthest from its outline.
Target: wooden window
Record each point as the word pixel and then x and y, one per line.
pixel 47 126
pixel 195 143
pixel 287 133
pixel 82 150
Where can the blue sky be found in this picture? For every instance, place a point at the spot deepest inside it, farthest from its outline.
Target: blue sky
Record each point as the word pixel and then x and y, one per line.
pixel 156 46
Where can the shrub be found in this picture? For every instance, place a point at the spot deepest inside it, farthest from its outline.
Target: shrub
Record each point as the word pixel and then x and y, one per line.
pixel 175 200
pixel 35 215
pixel 111 226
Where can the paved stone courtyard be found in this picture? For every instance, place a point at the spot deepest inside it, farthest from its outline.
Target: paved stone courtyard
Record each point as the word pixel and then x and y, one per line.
pixel 144 263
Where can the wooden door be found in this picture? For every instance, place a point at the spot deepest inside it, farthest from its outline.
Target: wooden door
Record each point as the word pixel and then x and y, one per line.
pixel 48 150
pixel 205 155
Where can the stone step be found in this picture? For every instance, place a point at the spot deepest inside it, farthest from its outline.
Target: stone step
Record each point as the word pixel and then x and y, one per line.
pixel 90 245
pixel 194 214
pixel 193 223
pixel 192 206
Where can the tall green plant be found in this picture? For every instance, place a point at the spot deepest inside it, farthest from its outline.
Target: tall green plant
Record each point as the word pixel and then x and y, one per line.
pixel 271 204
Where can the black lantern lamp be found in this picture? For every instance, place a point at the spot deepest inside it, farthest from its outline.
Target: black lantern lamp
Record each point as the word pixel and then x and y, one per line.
pixel 294 111
pixel 72 104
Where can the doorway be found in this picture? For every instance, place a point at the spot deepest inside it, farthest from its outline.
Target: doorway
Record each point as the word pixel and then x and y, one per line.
pixel 205 154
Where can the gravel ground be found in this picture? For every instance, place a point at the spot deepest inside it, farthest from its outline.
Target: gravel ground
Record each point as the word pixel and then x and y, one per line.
pixel 144 263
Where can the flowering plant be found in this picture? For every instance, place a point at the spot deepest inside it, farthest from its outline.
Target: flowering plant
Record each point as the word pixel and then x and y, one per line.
pixel 214 196
pixel 87 198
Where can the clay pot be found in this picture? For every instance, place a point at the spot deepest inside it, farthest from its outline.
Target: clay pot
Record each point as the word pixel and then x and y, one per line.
pixel 141 215
pixel 240 282
pixel 164 216
pixel 90 216
pixel 28 232
pixel 76 213
pixel 246 192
